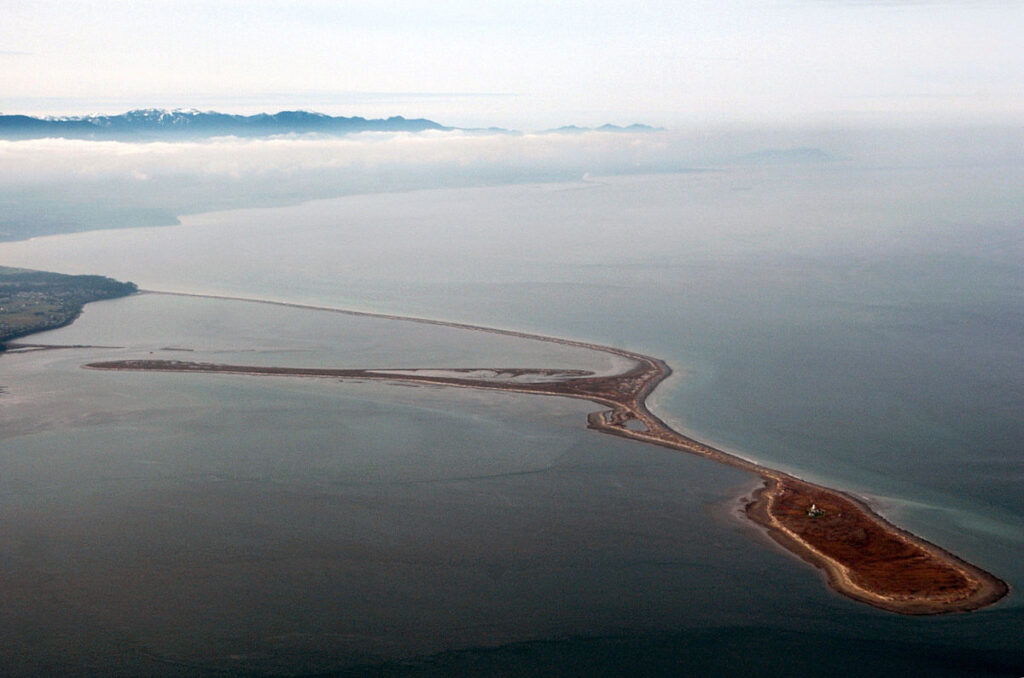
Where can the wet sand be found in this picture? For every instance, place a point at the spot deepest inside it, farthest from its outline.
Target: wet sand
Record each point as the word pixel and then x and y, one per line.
pixel 863 556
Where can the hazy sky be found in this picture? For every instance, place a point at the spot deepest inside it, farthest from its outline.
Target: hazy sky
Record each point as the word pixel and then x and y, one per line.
pixel 524 64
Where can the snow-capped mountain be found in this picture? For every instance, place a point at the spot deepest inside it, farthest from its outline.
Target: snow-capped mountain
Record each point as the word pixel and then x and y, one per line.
pixel 153 123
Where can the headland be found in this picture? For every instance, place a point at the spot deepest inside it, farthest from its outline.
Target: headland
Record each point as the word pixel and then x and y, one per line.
pixel 36 301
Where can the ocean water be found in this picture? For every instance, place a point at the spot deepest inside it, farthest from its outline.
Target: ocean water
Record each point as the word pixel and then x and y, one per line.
pixel 859 326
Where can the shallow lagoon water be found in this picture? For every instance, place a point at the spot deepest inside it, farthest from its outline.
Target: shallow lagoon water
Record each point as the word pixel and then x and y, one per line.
pixel 863 337
pixel 163 523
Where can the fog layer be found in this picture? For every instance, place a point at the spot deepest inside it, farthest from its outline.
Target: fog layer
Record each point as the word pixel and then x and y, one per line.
pixel 61 185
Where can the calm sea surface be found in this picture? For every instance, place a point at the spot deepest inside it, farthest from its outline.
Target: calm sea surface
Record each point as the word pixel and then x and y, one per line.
pixel 859 327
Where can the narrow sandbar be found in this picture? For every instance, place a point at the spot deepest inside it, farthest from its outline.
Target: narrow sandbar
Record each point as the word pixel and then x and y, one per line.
pixel 863 556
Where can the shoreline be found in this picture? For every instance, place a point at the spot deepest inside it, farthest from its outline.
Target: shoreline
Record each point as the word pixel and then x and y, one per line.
pixel 863 556
pixel 32 302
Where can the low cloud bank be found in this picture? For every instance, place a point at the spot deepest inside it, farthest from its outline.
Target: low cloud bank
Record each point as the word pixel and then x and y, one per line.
pixel 55 185
pixel 29 161
pixel 60 185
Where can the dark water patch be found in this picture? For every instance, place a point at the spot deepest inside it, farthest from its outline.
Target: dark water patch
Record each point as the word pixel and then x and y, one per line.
pixel 732 651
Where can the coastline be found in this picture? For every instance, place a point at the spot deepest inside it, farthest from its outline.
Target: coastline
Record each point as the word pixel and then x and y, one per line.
pixel 863 556
pixel 33 301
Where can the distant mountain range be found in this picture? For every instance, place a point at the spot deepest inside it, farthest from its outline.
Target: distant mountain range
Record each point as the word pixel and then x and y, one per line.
pixel 161 124
pixel 573 129
pixel 154 124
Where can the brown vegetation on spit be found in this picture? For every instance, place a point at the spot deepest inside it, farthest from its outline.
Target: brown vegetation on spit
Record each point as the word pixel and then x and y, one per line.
pixel 864 556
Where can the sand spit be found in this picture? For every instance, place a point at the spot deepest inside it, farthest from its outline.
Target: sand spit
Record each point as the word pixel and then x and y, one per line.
pixel 864 556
